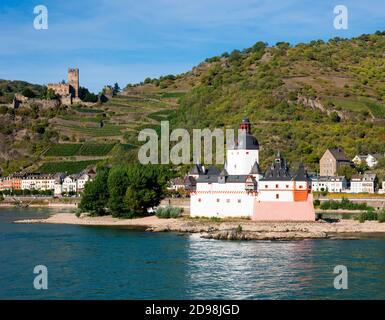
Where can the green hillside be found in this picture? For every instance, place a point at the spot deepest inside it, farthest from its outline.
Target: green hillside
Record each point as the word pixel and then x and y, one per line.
pixel 300 99
pixel 37 138
pixel 9 88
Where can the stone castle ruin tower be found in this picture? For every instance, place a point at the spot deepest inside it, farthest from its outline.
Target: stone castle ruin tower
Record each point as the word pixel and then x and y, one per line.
pixel 73 82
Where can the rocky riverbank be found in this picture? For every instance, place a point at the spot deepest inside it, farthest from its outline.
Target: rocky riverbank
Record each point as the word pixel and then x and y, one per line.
pixel 229 229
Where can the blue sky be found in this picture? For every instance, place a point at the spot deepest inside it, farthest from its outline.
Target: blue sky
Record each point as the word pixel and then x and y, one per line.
pixel 129 40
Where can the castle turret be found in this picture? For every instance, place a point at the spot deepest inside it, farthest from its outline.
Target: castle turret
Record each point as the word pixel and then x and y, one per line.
pixel 245 125
pixel 73 82
pixel 245 152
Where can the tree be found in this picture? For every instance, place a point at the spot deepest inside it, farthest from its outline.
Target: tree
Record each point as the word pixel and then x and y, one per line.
pixel 28 93
pixel 147 186
pixel 381 163
pixel 116 88
pixel 87 96
pixel 235 56
pixel 117 185
pixel 108 90
pixel 259 46
pixel 346 171
pixel 362 167
pixel 50 94
pixel 90 97
pixel 95 195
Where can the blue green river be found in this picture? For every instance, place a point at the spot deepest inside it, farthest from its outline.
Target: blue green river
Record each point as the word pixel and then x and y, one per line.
pixel 117 263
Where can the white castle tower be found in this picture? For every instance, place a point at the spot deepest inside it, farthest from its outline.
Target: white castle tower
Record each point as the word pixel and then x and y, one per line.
pixel 244 155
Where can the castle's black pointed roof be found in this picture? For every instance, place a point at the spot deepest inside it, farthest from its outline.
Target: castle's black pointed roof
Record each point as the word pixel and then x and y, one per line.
pixel 301 174
pixel 213 171
pixel 224 173
pixel 197 169
pixel 256 169
pixel 279 170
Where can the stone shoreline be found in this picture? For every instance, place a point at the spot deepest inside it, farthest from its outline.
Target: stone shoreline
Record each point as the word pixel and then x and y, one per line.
pixel 228 229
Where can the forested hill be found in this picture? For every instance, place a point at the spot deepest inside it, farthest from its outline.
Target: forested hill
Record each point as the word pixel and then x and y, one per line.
pixel 301 99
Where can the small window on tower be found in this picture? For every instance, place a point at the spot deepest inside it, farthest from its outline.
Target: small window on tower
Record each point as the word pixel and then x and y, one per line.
pixel 277 196
pixel 266 186
pixel 199 200
pixel 247 152
pixel 217 200
pixel 287 186
pixel 276 186
pixel 228 200
pixel 239 201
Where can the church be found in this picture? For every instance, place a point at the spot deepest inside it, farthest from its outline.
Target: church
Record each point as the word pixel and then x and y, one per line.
pixel 242 189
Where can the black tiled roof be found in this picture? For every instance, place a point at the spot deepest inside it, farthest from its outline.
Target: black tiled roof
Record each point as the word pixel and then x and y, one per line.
pixel 301 174
pixel 338 154
pixel 229 179
pixel 197 169
pixel 213 171
pixel 279 170
pixel 248 142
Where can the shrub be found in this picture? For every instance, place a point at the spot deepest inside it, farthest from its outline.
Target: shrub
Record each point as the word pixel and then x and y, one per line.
pixel 325 205
pixel 381 216
pixel 368 215
pixel 3 109
pixel 316 202
pixel 168 212
pixel 28 93
pixel 78 212
pixel 343 204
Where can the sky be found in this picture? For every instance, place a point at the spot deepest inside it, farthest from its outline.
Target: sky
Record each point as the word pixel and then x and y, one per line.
pixel 126 41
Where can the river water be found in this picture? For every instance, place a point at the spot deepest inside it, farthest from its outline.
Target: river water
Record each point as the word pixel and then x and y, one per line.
pixel 115 263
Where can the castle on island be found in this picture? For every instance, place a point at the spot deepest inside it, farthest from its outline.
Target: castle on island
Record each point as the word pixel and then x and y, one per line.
pixel 241 189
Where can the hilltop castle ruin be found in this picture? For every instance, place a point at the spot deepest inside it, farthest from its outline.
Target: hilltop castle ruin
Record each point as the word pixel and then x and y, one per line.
pixel 70 90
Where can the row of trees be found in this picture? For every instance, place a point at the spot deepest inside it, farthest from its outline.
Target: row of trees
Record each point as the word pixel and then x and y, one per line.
pixel 32 192
pixel 126 191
